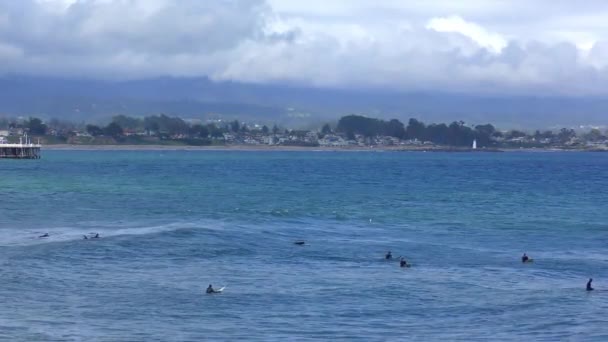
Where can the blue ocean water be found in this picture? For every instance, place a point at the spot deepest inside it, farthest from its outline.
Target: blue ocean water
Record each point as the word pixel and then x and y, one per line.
pixel 173 222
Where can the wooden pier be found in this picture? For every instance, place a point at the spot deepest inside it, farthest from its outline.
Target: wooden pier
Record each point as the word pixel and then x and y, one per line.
pixel 22 150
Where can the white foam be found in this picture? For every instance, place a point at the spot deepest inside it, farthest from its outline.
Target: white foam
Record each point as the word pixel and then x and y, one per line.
pixel 26 237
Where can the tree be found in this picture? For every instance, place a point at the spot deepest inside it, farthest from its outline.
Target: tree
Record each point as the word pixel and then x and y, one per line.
pixel 199 130
pixel 94 130
pixel 538 135
pixel 483 134
pixel 438 134
pixel 275 129
pixel 164 124
pixel 486 129
pixel 214 131
pixel 415 130
pixel 515 134
pixel 113 130
pixel 265 129
pixel 234 126
pixel 36 127
pixel 595 135
pixel 128 122
pixel 565 135
pixel 326 129
pixel 395 128
pixel 497 134
pixel 151 125
pixel 358 124
pixel 459 134
pixel 61 125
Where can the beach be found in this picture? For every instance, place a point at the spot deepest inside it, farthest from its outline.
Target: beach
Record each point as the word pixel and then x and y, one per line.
pixel 259 148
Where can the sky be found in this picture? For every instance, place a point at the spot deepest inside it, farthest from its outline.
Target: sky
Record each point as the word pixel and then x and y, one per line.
pixel 540 47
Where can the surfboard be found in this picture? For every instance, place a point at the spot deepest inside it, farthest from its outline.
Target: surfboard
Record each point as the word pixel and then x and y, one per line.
pixel 220 290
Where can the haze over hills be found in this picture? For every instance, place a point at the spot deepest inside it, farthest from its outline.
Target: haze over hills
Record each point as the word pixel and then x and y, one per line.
pixel 97 100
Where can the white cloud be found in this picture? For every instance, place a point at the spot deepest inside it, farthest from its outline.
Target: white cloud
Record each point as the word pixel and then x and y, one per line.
pixel 464 46
pixel 488 40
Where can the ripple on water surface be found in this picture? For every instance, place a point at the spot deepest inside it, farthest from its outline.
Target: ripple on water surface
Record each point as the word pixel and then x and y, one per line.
pixel 171 225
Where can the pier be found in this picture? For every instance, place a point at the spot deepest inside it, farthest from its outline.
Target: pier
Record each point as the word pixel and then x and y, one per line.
pixel 23 150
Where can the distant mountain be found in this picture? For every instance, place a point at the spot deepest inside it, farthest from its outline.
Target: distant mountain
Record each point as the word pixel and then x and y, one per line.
pixel 95 100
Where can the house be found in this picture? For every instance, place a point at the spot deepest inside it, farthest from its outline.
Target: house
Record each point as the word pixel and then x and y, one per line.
pixel 333 140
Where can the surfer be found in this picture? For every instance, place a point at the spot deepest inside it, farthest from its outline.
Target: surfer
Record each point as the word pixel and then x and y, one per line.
pixel 524 258
pixel 85 237
pixel 300 243
pixel 96 236
pixel 45 235
pixel 210 289
pixel 589 288
pixel 403 263
pixel 388 256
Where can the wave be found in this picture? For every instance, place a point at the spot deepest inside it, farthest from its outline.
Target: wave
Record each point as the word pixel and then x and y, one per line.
pixel 30 236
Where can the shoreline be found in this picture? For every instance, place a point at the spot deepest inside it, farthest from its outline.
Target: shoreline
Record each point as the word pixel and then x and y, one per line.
pixel 260 148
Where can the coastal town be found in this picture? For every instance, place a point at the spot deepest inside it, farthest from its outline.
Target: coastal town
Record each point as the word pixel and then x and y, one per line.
pixel 352 131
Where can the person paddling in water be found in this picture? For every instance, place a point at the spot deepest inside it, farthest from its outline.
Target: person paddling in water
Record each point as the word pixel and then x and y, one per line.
pixel 388 256
pixel 45 235
pixel 525 258
pixel 210 289
pixel 589 288
pixel 403 263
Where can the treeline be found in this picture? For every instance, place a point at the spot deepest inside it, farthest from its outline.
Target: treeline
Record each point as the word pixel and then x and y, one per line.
pixel 33 126
pixel 167 126
pixel 124 128
pixel 456 133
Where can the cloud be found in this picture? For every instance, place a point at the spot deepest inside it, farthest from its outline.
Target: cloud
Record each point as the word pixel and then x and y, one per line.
pixel 488 40
pixel 466 46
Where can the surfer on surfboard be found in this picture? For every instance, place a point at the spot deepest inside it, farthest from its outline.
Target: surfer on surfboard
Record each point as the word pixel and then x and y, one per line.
pixel 525 258
pixel 388 256
pixel 589 288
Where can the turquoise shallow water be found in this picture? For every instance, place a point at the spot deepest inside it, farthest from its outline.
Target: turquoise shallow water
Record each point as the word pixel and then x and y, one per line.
pixel 174 221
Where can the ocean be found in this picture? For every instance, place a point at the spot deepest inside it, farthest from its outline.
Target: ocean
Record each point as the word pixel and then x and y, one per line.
pixel 173 222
